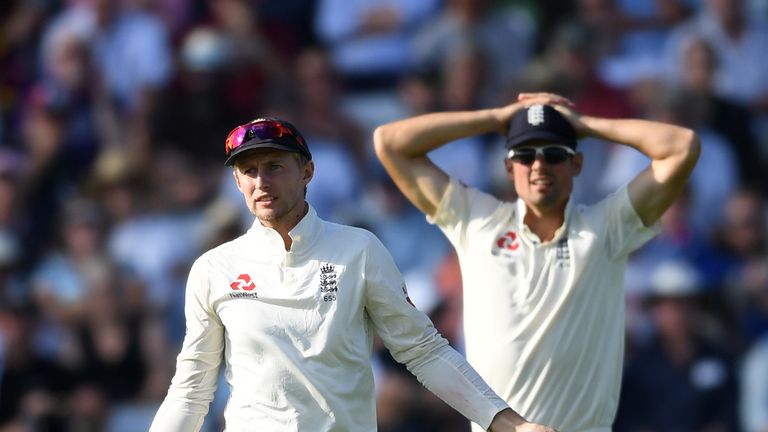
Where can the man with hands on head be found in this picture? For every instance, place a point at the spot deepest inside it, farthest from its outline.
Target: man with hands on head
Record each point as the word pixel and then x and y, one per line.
pixel 290 308
pixel 542 276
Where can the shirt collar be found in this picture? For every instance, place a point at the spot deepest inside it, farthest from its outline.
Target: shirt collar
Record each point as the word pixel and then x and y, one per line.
pixel 303 234
pixel 521 210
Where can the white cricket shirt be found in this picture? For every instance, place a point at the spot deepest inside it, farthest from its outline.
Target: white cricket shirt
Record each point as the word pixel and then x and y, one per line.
pixel 544 323
pixel 295 330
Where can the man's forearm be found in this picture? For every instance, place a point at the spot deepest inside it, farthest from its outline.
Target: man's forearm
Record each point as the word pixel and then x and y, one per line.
pixel 447 374
pixel 178 416
pixel 656 140
pixel 417 136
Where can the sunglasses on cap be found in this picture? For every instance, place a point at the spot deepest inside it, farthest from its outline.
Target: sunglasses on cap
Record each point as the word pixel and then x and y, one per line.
pixel 265 132
pixel 552 154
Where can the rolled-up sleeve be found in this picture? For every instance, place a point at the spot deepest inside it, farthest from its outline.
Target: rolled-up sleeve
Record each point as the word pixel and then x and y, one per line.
pixel 198 363
pixel 413 340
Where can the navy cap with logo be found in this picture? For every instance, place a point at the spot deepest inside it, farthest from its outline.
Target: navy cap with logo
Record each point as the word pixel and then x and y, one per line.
pixel 540 123
pixel 265 132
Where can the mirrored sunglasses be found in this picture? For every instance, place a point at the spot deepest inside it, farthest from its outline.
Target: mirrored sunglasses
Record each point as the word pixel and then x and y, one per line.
pixel 551 154
pixel 263 129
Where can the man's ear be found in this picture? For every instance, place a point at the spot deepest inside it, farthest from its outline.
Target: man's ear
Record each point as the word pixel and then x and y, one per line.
pixel 510 166
pixel 309 172
pixel 578 162
pixel 237 179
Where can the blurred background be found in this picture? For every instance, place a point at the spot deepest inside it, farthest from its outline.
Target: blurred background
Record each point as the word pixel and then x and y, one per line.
pixel 113 116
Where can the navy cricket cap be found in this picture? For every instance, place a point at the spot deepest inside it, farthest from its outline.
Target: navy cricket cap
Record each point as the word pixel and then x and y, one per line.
pixel 265 132
pixel 542 123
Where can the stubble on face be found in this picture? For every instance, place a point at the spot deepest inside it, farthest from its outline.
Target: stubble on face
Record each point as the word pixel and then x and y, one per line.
pixel 544 188
pixel 277 197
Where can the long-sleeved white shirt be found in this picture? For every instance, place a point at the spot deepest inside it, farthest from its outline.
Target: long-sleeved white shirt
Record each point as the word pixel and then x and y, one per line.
pixel 295 329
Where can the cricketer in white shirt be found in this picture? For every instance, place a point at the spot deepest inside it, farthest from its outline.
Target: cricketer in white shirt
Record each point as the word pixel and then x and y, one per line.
pixel 295 330
pixel 543 277
pixel 548 312
pixel 291 306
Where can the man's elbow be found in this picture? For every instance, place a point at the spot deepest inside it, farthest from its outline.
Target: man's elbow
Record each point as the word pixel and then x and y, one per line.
pixel 383 141
pixel 689 147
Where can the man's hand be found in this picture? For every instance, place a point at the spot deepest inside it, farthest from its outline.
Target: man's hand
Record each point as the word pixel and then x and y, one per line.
pixel 510 421
pixel 529 99
pixel 504 114
pixel 576 120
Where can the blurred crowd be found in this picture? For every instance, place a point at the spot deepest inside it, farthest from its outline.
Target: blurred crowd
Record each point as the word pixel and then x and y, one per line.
pixel 113 115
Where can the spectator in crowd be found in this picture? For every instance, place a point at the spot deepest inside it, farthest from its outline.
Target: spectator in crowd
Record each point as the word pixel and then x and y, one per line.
pixel 29 381
pixel 288 25
pixel 62 282
pixel 569 66
pixel 629 34
pixel 733 121
pixel 678 380
pixel 742 237
pixel 71 83
pixel 488 28
pixel 338 141
pixel 46 179
pixel 739 43
pixel 255 70
pixel 369 40
pixel 738 40
pixel 369 44
pixel 131 57
pixel 463 72
pixel 192 111
pixel 130 48
pixel 160 240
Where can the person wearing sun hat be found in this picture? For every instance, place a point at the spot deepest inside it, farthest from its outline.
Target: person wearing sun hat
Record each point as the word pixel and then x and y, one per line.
pixel 289 308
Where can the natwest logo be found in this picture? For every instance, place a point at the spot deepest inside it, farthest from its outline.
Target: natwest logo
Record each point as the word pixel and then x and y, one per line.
pixel 243 282
pixel 508 241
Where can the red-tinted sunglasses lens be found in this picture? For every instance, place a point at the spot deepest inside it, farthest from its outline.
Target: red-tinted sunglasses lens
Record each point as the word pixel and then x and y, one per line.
pixel 262 130
pixel 234 139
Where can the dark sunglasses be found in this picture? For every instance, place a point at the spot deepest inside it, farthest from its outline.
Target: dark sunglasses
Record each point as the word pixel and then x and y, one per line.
pixel 264 129
pixel 552 154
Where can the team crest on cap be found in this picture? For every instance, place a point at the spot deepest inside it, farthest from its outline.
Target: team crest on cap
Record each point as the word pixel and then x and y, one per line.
pixel 536 114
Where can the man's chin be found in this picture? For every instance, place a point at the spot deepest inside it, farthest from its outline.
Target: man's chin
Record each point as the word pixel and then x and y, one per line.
pixel 544 201
pixel 264 214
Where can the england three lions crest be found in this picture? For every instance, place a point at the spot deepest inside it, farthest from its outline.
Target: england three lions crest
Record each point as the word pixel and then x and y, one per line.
pixel 328 282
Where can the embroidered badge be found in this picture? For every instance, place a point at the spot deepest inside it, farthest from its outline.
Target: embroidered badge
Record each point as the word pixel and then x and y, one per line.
pixel 328 282
pixel 563 254
pixel 536 114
